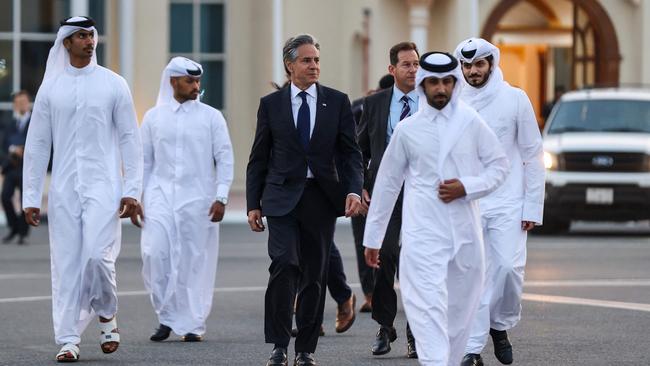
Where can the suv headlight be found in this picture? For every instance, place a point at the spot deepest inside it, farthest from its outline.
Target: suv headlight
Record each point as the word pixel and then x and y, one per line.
pixel 550 161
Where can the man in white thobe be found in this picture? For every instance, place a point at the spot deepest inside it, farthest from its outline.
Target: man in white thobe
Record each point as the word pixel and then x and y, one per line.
pixel 446 157
pixel 513 209
pixel 188 169
pixel 85 113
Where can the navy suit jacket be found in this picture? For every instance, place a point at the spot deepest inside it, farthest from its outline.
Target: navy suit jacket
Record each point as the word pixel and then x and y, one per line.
pixel 277 167
pixel 372 133
pixel 13 136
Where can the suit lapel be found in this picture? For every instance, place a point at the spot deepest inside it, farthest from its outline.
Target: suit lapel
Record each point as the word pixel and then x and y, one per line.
pixel 288 115
pixel 384 112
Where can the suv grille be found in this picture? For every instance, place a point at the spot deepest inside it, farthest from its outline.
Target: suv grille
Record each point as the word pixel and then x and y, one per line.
pixel 604 162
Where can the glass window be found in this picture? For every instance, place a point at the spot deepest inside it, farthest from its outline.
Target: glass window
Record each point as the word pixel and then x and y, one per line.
pixel 101 53
pixel 212 83
pixel 6 18
pixel 181 28
pixel 198 32
pixel 97 11
pixel 602 116
pixel 212 28
pixel 6 66
pixel 43 16
pixel 34 57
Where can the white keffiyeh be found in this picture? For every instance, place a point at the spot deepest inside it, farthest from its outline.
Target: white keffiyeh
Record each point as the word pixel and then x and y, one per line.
pixel 473 49
pixel 178 66
pixel 59 57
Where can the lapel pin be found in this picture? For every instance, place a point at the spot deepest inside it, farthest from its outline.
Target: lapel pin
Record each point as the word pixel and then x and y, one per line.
pixel 324 104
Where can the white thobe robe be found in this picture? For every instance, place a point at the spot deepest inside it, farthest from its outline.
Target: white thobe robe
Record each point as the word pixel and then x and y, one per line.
pixel 441 260
pixel 510 115
pixel 188 162
pixel 86 115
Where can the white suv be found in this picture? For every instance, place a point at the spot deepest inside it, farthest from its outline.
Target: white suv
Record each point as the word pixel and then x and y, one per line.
pixel 597 157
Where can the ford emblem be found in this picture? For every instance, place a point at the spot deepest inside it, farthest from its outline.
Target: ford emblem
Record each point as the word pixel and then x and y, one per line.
pixel 602 161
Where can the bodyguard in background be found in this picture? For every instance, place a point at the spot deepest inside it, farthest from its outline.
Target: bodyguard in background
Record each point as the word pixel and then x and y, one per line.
pixel 293 180
pixel 381 114
pixel 13 144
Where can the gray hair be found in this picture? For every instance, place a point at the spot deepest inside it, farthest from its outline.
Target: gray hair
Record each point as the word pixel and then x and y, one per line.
pixel 290 49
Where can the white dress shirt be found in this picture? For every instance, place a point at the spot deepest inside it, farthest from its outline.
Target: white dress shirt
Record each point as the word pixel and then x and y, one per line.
pixel 296 102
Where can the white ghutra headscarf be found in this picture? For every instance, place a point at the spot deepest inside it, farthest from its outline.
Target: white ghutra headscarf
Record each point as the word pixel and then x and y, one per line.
pixel 438 65
pixel 473 49
pixel 178 66
pixel 59 57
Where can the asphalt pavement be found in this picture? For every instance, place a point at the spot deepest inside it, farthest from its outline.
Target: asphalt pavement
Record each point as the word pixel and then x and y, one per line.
pixel 587 303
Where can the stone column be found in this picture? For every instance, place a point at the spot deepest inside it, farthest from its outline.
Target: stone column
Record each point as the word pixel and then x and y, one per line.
pixel 645 41
pixel 419 22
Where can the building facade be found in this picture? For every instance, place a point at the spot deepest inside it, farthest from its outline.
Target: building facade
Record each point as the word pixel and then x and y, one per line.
pixel 544 44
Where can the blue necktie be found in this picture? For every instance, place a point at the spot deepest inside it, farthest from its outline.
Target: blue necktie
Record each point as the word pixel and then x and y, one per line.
pixel 303 121
pixel 406 109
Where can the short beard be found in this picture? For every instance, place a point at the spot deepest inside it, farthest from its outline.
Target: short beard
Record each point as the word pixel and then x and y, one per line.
pixel 481 84
pixel 437 105
pixel 185 97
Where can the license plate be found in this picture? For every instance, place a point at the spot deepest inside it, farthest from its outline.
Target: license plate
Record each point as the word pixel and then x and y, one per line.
pixel 600 196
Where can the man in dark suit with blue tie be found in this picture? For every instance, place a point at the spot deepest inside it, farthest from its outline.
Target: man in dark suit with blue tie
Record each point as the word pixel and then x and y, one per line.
pixel 13 143
pixel 381 114
pixel 292 178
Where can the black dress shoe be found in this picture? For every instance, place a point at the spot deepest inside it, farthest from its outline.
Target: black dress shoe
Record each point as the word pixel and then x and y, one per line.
pixel 411 352
pixel 502 346
pixel 384 337
pixel 161 333
pixel 410 344
pixel 472 359
pixel 304 359
pixel 278 357
pixel 191 337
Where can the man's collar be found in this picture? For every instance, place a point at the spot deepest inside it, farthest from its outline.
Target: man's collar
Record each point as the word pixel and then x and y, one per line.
pixel 295 90
pixel 398 94
pixel 184 106
pixel 432 112
pixel 22 116
pixel 79 70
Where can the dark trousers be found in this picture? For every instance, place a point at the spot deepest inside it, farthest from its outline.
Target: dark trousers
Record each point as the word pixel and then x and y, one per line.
pixel 299 246
pixel 336 281
pixel 16 222
pixel 384 298
pixel 366 274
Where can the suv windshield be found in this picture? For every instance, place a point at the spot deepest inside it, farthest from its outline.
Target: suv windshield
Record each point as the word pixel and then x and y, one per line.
pixel 600 115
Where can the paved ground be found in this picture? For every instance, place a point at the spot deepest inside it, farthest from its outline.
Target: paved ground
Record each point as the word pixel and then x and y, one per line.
pixel 587 304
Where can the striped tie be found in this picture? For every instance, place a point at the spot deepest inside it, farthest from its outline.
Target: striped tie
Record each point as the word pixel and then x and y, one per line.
pixel 406 109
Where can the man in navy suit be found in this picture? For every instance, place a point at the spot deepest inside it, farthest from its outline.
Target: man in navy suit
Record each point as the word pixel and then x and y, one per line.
pixel 12 165
pixel 292 178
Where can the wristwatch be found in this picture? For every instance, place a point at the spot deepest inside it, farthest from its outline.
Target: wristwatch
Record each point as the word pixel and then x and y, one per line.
pixel 222 200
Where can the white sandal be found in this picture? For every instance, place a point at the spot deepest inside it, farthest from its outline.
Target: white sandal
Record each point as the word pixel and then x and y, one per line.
pixel 109 334
pixel 70 353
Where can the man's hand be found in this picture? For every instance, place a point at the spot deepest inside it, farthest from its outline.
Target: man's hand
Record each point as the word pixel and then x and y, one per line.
pixel 130 207
pixel 365 202
pixel 372 257
pixel 255 220
pixel 33 216
pixel 450 190
pixel 527 225
pixel 352 205
pixel 216 211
